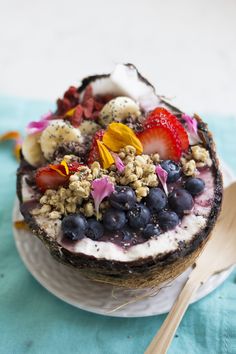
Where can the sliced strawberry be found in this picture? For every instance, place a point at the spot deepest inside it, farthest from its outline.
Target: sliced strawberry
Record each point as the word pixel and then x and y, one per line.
pixel 161 113
pixel 94 153
pixel 54 176
pixel 160 136
pixel 47 178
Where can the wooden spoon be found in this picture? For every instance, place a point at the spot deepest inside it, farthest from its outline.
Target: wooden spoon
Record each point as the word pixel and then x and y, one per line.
pixel 219 254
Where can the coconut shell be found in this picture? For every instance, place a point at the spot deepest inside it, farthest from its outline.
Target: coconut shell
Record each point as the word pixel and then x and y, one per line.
pixel 143 272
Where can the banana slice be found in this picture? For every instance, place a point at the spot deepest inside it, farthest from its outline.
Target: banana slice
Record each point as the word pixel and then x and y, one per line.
pixel 57 133
pixel 88 127
pixel 31 150
pixel 118 109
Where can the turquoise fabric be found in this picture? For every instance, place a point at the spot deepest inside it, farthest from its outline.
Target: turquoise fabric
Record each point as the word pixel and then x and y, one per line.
pixel 34 321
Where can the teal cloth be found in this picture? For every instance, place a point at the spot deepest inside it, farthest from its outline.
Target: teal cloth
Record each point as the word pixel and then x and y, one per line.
pixel 34 321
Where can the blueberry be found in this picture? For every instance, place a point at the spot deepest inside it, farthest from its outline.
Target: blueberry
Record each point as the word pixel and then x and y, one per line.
pixel 114 219
pixel 180 201
pixel 168 220
pixel 156 199
pixel 138 216
pixel 95 229
pixel 123 198
pixel 173 170
pixel 126 235
pixel 195 186
pixel 74 226
pixel 151 230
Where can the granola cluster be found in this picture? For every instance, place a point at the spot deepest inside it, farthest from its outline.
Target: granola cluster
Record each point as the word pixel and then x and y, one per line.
pixel 197 158
pixel 139 173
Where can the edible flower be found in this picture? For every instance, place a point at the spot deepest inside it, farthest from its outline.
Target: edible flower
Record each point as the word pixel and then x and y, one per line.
pixel 37 126
pixel 118 135
pixel 105 155
pixel 62 169
pixel 119 163
pixel 16 137
pixel 20 225
pixel 102 188
pixel 162 175
pixel 191 126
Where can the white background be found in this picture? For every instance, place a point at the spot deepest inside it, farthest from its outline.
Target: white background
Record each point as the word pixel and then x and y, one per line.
pixel 186 48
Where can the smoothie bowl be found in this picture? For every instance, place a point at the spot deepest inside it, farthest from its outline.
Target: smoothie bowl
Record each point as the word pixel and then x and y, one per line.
pixel 118 183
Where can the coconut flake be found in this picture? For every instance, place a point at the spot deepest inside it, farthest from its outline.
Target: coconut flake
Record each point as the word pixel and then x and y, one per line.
pixel 102 188
pixel 162 175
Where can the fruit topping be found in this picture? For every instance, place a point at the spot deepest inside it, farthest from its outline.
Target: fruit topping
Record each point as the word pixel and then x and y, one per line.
pixel 123 198
pixel 118 109
pixel 151 230
pixel 168 220
pixel 173 169
pixel 126 235
pixel 54 176
pixel 74 226
pixel 57 133
pixel 139 216
pixel 162 114
pixel 156 199
pixel 114 219
pixel 195 186
pixel 95 229
pixel 181 201
pixel 160 136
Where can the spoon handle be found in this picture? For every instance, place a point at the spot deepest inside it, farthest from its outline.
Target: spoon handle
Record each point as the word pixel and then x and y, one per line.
pixel 164 336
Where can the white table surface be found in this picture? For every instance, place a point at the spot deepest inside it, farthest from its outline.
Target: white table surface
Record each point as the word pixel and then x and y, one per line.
pixel 186 48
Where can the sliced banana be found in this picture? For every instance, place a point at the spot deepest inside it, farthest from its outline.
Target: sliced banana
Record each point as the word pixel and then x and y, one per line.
pixel 118 109
pixel 57 133
pixel 88 127
pixel 31 150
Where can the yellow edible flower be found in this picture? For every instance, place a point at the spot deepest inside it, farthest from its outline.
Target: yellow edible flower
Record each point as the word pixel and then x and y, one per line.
pixel 105 155
pixel 60 171
pixel 118 135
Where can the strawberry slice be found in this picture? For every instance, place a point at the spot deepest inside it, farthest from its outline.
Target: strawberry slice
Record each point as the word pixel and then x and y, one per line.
pixel 161 113
pixel 54 176
pixel 160 136
pixel 94 153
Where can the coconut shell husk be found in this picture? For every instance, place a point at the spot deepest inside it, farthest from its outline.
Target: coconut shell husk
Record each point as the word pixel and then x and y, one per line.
pixel 143 272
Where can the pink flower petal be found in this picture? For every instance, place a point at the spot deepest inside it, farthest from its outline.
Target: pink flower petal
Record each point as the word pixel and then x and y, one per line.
pixel 102 188
pixel 162 175
pixel 46 116
pixel 36 127
pixel 118 162
pixel 191 125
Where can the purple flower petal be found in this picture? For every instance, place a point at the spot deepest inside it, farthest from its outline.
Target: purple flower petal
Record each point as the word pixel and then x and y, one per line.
pixel 46 116
pixel 162 175
pixel 118 162
pixel 191 126
pixel 36 127
pixel 102 188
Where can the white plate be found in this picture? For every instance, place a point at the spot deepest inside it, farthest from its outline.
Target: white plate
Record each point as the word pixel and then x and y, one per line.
pixel 68 285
